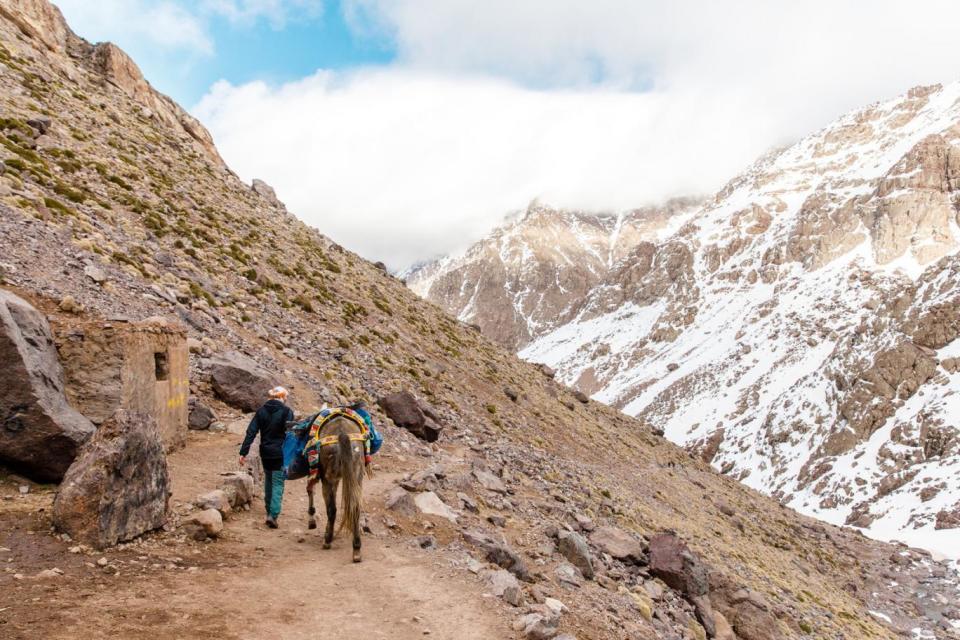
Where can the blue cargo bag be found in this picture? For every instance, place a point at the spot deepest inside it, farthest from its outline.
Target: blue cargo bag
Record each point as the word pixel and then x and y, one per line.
pixel 376 439
pixel 294 462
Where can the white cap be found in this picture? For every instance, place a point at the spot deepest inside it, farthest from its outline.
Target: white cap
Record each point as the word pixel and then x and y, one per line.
pixel 279 393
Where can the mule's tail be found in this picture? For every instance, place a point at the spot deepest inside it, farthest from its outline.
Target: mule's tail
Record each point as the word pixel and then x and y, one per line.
pixel 352 489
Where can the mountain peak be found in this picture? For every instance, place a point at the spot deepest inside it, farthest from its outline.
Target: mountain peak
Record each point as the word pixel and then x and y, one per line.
pixel 529 275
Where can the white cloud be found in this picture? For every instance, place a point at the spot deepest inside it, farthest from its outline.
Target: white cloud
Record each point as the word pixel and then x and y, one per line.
pixel 632 101
pixel 277 12
pixel 166 25
pixel 401 165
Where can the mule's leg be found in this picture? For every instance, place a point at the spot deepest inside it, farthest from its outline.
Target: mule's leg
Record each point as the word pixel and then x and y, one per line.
pixel 312 523
pixel 330 500
pixel 356 517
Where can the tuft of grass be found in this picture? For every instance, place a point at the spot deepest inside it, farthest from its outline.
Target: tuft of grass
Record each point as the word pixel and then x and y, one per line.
pixel 58 207
pixel 301 301
pixel 120 182
pixel 199 292
pixel 71 194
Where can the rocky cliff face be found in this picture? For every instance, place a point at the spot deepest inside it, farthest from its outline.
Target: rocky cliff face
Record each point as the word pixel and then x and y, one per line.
pixel 530 274
pixel 111 211
pixel 799 331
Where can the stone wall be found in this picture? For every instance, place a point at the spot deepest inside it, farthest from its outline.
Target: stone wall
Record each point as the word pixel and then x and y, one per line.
pixel 138 366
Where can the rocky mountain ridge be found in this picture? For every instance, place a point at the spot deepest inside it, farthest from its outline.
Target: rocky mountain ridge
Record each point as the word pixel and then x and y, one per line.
pixel 798 331
pixel 530 274
pixel 110 212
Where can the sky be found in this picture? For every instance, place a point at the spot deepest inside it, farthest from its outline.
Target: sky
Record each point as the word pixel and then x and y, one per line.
pixel 406 129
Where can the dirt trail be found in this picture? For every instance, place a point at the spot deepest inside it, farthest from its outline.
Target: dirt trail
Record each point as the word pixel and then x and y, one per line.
pixel 261 583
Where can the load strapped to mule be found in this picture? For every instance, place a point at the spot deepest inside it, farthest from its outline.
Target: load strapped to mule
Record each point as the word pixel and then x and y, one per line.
pixel 302 444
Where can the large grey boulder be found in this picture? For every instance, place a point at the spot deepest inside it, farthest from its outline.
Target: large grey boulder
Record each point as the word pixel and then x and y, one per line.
pixel 618 544
pixel 406 412
pixel 200 415
pixel 574 548
pixel 118 488
pixel 239 488
pixel 498 552
pixel 239 381
pixel 40 433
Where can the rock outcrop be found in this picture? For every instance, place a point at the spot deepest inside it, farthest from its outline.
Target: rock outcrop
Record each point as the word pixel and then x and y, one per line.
pixel 200 415
pixel 119 487
pixel 406 412
pixel 239 381
pixel 40 432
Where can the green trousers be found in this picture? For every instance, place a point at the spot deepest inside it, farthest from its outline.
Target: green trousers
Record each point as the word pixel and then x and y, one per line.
pixel 272 492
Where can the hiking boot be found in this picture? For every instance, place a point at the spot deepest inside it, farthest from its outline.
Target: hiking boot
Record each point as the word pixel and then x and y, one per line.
pixel 272 523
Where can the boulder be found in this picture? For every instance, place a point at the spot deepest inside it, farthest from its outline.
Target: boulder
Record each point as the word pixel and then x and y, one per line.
pixel 569 575
pixel 401 501
pixel 239 488
pixel 69 304
pixel 430 504
pixel 118 487
pixel 681 569
pixel 468 503
pixel 200 416
pixel 208 520
pixel 95 273
pixel 266 192
pixel 749 615
pixel 574 548
pixel 504 584
pixel 239 426
pixel 405 411
pixel 40 434
pixel 40 123
pixel 723 630
pixel 677 566
pixel 216 499
pixel 498 552
pixel 239 381
pixel 489 481
pixel 618 544
pixel 537 626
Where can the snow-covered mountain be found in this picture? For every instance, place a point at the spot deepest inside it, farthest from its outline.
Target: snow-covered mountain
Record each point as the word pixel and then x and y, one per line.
pixel 799 330
pixel 530 275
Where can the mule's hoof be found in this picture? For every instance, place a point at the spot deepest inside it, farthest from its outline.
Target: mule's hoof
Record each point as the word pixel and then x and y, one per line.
pixel 356 557
pixel 326 545
pixel 312 525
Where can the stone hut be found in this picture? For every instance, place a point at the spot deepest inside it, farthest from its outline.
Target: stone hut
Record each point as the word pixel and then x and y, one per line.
pixel 138 366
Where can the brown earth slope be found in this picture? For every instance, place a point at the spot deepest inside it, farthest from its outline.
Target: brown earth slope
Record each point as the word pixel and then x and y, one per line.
pixel 100 171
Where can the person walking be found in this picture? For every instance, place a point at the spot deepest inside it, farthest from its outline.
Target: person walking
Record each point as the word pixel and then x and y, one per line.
pixel 270 422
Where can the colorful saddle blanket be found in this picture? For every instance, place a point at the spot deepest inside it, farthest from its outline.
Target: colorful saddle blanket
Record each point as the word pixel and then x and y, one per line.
pixel 315 442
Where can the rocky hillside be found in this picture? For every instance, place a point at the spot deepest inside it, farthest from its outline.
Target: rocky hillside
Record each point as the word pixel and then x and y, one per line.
pixel 529 275
pixel 114 204
pixel 799 330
